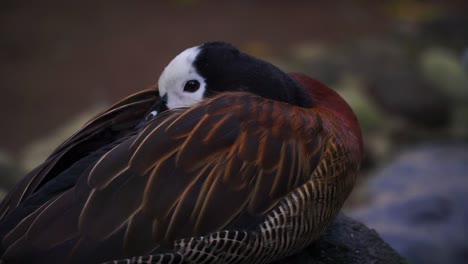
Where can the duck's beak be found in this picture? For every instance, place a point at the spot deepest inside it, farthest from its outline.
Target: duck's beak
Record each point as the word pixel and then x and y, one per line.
pixel 161 104
pixel 158 107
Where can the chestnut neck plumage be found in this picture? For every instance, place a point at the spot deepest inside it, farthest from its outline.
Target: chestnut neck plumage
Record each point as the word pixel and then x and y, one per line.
pixel 327 100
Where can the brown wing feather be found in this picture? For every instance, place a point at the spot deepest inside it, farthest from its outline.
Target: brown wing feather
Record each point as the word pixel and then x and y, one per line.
pixel 119 117
pixel 195 171
pixel 209 173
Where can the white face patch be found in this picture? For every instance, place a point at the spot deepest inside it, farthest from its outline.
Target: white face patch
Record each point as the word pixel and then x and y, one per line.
pixel 178 72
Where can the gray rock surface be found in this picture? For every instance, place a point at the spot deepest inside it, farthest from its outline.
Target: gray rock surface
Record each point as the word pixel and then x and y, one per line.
pixel 396 84
pixel 347 241
pixel 406 94
pixel 419 204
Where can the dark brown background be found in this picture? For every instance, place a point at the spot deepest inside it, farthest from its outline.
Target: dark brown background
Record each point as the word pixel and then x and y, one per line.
pixel 58 57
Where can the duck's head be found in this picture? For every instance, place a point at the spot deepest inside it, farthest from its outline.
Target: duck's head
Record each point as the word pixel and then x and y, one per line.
pixel 215 67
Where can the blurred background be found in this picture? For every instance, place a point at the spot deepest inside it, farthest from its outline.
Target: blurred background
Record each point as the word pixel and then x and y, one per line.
pixel 402 65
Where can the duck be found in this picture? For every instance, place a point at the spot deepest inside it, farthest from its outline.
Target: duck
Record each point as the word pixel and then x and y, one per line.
pixel 227 159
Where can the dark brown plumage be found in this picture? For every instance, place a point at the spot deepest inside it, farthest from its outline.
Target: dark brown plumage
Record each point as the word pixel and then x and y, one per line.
pixel 235 179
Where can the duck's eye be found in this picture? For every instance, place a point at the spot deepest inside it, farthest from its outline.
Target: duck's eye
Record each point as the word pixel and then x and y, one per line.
pixel 191 86
pixel 151 115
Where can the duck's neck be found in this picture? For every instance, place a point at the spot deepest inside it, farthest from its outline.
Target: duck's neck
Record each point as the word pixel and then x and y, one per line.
pixel 327 100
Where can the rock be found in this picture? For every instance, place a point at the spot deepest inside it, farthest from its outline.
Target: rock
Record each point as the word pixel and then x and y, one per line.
pixel 464 59
pixel 372 57
pixel 420 204
pixel 404 93
pixel 395 84
pixel 319 61
pixel 448 30
pixel 460 122
pixel 445 70
pixel 347 241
